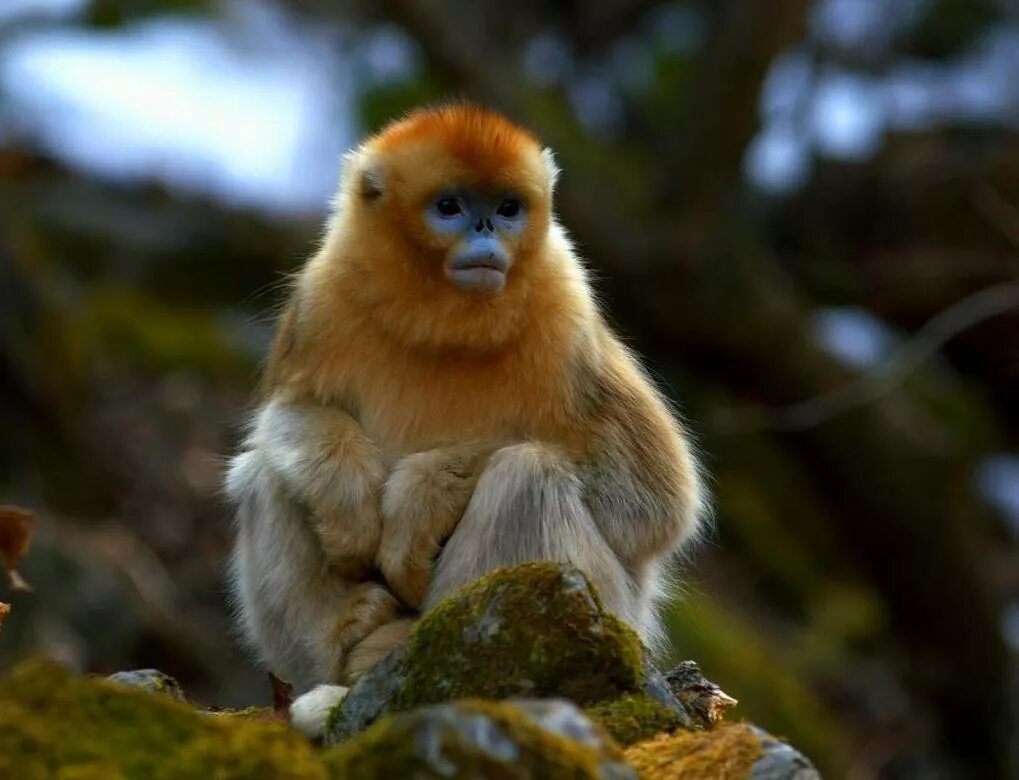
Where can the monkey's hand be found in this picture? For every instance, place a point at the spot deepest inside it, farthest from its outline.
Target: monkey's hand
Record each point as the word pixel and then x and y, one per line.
pixel 422 502
pixel 325 460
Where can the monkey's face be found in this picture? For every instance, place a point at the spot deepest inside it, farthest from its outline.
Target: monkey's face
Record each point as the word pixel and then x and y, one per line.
pixel 470 191
pixel 480 229
pixel 475 220
pixel 446 222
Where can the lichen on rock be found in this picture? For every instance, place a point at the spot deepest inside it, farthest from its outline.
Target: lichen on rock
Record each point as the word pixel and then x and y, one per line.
pixel 518 739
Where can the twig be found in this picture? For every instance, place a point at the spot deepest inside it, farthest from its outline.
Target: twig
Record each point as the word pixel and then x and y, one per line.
pixel 972 310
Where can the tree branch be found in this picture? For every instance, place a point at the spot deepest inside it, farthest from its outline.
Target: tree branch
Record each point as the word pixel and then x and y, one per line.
pixel 875 384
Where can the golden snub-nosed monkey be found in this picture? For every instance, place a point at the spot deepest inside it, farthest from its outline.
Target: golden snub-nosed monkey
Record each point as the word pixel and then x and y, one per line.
pixel 444 397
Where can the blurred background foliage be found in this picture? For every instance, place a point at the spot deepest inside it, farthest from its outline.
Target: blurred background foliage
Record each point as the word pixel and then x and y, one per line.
pixel 804 214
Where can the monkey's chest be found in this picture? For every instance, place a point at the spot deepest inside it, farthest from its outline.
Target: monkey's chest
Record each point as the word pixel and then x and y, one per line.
pixel 420 410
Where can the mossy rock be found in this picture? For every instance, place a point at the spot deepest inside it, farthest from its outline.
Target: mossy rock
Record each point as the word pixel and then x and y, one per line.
pixel 633 717
pixel 520 739
pixel 736 751
pixel 536 630
pixel 56 725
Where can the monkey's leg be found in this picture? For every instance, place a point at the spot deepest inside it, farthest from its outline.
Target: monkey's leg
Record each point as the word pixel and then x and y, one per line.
pixel 422 502
pixel 327 463
pixel 299 613
pixel 527 507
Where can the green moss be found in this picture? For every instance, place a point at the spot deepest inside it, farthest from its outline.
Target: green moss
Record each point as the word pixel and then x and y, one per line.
pixel 534 630
pixel 631 718
pixel 254 713
pixel 56 725
pixel 726 753
pixel 466 739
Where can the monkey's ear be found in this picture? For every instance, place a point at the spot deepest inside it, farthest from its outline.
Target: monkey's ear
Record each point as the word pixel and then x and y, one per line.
pixel 548 158
pixel 371 183
pixel 361 176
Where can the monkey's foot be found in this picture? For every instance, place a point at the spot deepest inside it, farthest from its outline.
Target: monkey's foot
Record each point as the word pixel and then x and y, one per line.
pixel 310 712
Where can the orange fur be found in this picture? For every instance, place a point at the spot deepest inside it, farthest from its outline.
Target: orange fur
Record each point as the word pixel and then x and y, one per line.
pixel 374 324
pixel 484 141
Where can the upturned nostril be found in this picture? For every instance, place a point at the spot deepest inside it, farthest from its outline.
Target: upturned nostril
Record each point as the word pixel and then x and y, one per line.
pixel 480 226
pixel 488 223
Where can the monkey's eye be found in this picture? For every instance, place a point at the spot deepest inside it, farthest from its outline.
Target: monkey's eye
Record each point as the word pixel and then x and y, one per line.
pixel 509 208
pixel 449 207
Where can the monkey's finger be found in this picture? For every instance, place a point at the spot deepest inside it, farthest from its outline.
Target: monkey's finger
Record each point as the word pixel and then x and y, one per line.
pixel 368 607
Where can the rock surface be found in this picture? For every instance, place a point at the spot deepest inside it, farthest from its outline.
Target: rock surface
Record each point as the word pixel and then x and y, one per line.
pixel 150 680
pixel 519 739
pixel 519 675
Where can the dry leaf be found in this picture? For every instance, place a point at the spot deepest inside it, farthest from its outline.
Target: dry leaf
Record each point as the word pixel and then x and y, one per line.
pixel 702 698
pixel 5 610
pixel 16 527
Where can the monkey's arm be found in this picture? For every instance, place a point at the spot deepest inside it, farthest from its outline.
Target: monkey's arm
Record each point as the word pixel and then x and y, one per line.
pixel 422 501
pixel 326 462
pixel 640 478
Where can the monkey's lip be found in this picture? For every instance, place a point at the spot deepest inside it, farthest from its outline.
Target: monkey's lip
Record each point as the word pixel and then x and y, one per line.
pixel 488 275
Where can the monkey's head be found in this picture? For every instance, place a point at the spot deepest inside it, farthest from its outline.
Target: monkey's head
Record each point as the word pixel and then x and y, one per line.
pixel 447 215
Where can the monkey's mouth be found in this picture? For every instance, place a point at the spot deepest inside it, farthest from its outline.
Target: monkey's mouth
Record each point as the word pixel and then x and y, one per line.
pixel 481 274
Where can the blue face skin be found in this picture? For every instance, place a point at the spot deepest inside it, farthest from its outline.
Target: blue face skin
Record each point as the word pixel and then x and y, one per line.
pixel 479 261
